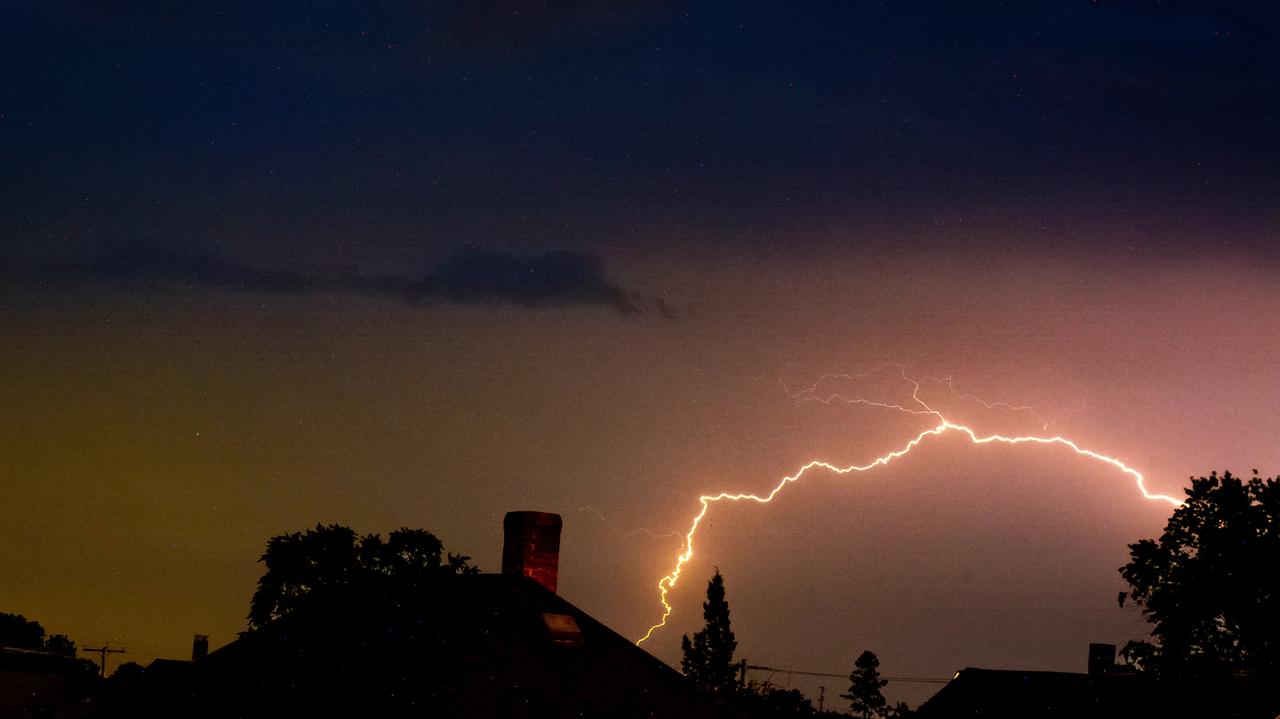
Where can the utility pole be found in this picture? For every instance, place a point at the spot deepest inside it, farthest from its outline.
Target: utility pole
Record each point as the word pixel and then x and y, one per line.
pixel 822 695
pixel 103 651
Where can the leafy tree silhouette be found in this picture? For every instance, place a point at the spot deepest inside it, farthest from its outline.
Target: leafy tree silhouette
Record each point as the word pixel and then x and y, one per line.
pixel 17 632
pixel 900 711
pixel 865 699
pixel 762 700
pixel 708 657
pixel 127 672
pixel 304 563
pixel 1211 583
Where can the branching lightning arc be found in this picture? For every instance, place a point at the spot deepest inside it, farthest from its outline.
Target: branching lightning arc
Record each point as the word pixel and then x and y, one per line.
pixel 917 407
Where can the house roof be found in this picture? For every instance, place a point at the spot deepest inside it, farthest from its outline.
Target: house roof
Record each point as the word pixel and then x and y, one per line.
pixel 33 681
pixel 1003 694
pixel 476 646
pixel 999 693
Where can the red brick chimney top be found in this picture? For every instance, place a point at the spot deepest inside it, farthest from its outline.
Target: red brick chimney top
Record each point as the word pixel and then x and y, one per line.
pixel 531 546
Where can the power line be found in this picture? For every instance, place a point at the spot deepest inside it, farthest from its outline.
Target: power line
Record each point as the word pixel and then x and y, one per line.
pixel 103 651
pixel 909 680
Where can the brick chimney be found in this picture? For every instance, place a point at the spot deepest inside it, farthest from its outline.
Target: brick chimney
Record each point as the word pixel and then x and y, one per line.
pixel 1102 659
pixel 531 546
pixel 199 647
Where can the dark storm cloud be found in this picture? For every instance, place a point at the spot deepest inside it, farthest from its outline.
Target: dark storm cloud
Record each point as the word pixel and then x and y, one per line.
pixel 470 277
pixel 708 120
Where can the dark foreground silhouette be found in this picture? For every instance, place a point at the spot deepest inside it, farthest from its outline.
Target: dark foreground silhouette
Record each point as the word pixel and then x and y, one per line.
pixel 464 646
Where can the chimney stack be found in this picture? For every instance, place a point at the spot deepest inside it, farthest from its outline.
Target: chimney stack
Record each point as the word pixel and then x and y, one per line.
pixel 199 647
pixel 1102 659
pixel 531 546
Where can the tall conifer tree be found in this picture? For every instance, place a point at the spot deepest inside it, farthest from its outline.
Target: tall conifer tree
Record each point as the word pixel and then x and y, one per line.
pixel 708 657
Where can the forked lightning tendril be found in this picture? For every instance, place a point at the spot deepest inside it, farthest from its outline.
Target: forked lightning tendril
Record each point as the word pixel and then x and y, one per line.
pixel 944 425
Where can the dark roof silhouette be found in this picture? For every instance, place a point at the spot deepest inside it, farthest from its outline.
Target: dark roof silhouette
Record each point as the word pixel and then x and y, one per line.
pixel 1002 694
pixel 998 693
pixel 41 683
pixel 461 646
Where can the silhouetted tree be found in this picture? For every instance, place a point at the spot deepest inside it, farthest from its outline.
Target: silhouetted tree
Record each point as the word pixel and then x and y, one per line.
pixel 17 632
pixel 1211 584
pixel 865 699
pixel 762 700
pixel 708 657
pixel 302 563
pixel 60 643
pixel 900 711
pixel 128 671
pixel 128 677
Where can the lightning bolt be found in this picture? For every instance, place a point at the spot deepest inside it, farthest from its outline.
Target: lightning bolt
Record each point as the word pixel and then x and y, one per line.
pixel 667 583
pixel 588 509
pixel 950 385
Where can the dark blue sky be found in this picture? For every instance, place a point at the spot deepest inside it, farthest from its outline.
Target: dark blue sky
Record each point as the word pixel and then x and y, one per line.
pixel 397 130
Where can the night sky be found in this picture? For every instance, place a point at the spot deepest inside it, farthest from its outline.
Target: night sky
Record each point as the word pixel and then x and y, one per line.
pixel 421 263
